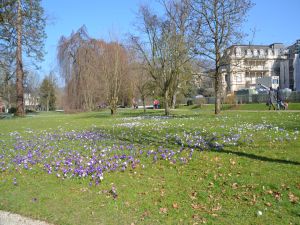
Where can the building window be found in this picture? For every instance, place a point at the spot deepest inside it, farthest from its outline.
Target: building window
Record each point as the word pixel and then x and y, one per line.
pixel 238 51
pixel 255 52
pixel 238 78
pixel 262 52
pixel 249 53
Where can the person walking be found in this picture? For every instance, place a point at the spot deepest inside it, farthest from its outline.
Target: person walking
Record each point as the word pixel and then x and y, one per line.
pixel 280 104
pixel 272 98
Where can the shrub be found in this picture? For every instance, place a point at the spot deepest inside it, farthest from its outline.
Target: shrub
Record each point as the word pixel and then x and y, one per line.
pixel 12 110
pixel 30 111
pixel 189 102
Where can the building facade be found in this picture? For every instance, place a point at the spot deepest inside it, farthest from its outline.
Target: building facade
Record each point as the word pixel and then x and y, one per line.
pixel 294 65
pixel 247 63
pixel 30 101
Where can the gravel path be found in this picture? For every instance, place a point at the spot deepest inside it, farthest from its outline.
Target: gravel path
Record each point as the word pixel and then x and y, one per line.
pixel 7 218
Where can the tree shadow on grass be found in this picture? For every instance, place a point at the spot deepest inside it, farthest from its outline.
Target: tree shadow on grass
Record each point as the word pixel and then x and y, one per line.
pixel 128 112
pixel 121 113
pixel 257 157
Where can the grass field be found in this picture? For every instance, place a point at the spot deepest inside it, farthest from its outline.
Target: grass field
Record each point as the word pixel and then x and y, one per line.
pixel 252 106
pixel 194 167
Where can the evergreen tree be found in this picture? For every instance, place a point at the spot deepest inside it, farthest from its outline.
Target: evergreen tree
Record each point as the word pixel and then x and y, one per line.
pixel 47 94
pixel 22 30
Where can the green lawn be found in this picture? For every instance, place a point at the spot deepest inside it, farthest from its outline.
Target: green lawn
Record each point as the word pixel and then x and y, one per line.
pixel 262 106
pixel 191 168
pixel 251 106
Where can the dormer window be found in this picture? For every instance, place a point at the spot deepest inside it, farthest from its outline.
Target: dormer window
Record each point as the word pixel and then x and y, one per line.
pixel 255 52
pixel 238 51
pixel 261 52
pixel 270 52
pixel 249 53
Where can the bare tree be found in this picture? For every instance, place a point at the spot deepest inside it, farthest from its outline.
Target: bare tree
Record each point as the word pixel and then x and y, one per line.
pixel 164 48
pixel 88 64
pixel 93 71
pixel 178 15
pixel 167 47
pixel 115 67
pixel 69 70
pixel 218 25
pixel 143 83
pixel 80 60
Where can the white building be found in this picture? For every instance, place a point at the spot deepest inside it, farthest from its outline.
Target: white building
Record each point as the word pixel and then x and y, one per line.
pixel 246 63
pixel 296 74
pixel 30 101
pixel 294 65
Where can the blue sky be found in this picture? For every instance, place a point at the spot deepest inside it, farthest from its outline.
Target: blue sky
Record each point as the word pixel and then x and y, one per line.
pixel 272 20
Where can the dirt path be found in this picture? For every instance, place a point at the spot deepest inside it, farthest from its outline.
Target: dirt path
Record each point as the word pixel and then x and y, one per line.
pixel 7 218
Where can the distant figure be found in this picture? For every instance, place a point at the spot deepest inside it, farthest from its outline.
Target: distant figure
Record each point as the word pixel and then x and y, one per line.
pixel 155 104
pixel 280 104
pixel 286 105
pixel 134 103
pixel 271 99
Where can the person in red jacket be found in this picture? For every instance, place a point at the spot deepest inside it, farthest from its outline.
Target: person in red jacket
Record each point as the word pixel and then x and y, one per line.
pixel 155 104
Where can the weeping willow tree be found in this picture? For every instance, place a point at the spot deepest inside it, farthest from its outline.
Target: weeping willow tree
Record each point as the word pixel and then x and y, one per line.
pixel 115 68
pixel 77 56
pixel 93 71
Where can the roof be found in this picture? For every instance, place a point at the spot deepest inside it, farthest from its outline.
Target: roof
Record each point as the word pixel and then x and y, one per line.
pixel 276 45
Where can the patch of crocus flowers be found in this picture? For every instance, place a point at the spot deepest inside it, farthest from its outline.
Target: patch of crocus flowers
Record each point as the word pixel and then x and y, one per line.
pixel 91 154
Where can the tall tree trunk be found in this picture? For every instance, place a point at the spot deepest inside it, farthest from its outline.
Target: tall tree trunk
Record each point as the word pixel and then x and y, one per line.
pixel 174 100
pixel 47 104
pixel 167 108
pixel 144 104
pixel 19 65
pixel 113 105
pixel 217 93
pixel 113 111
pixel 218 79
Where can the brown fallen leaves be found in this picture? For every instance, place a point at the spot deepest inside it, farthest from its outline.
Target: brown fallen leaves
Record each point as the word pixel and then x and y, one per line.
pixel 232 162
pixel 234 186
pixel 216 159
pixel 175 205
pixel 211 211
pixel 163 210
pixel 162 192
pixel 193 195
pixel 268 204
pixel 276 194
pixel 145 214
pixel 199 218
pixel 216 208
pixel 293 198
pixel 198 206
